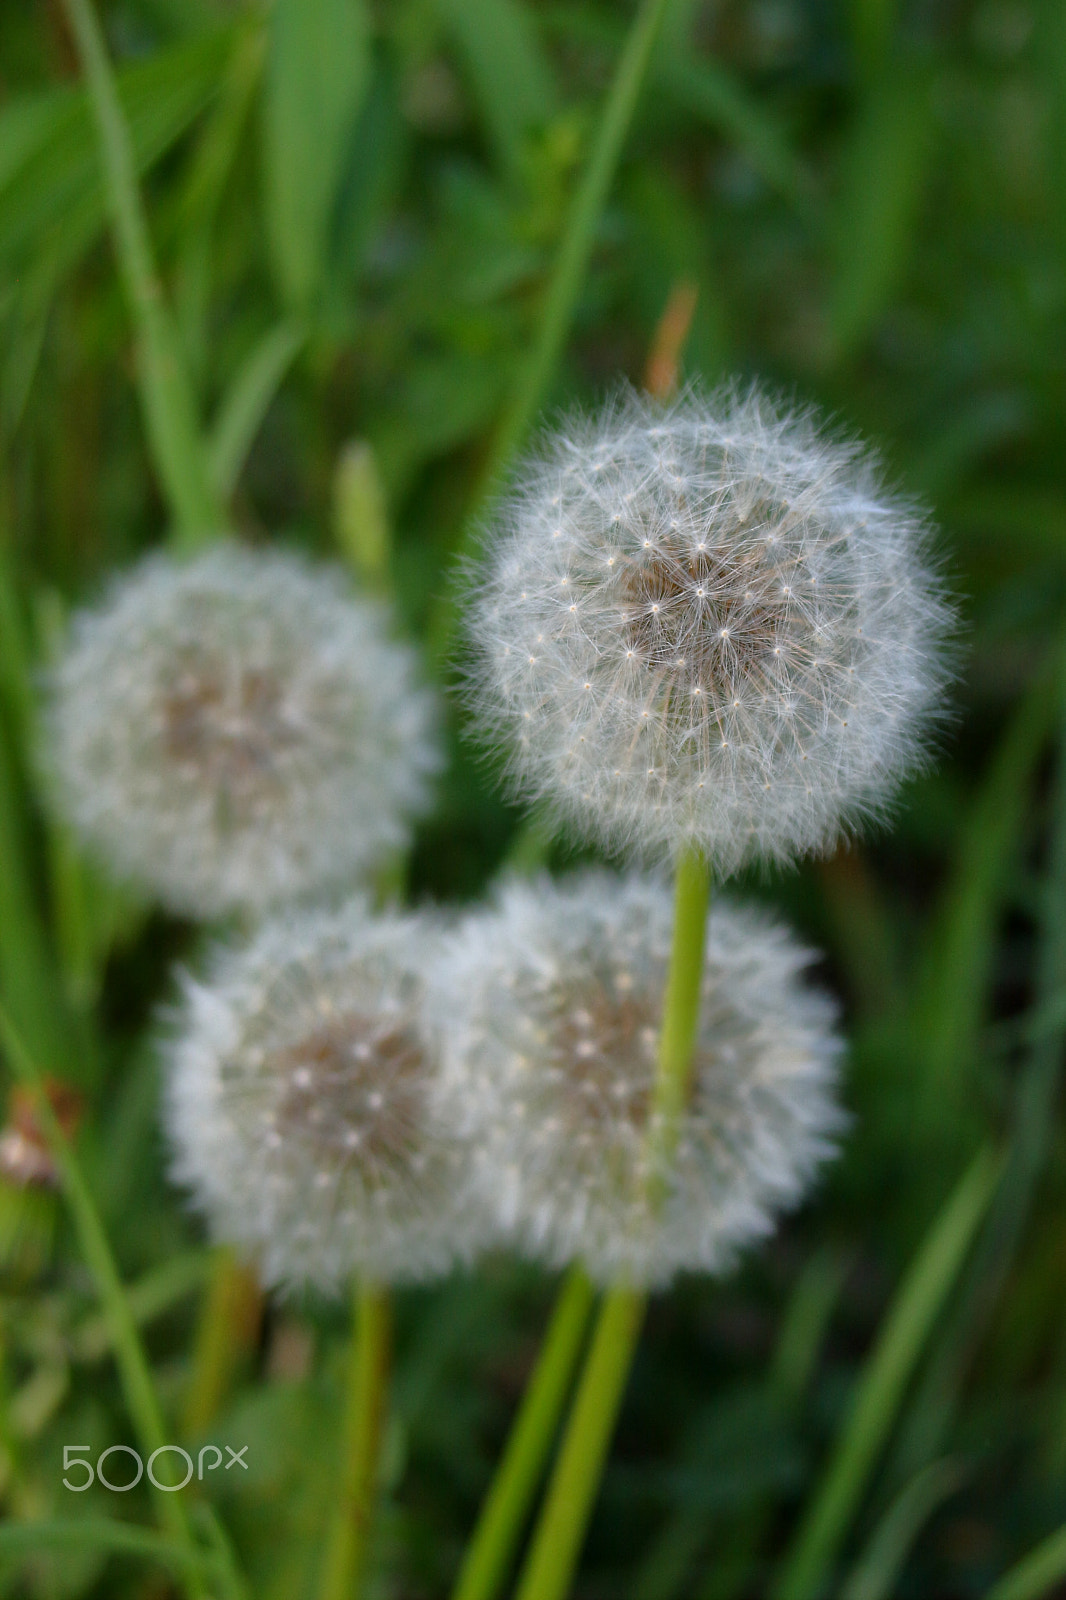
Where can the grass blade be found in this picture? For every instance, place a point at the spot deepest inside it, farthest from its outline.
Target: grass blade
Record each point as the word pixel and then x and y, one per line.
pixel 705 89
pixel 50 174
pixel 949 1010
pixel 241 412
pixel 877 1572
pixel 565 283
pixel 318 70
pixel 918 1303
pixel 510 75
pixel 885 170
pixel 1036 1574
pixel 691 82
pixel 100 1533
pixel 1033 1130
pixel 166 390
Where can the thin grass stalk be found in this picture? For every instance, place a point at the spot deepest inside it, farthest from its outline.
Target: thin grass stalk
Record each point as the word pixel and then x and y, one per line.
pixel 134 1372
pixel 1043 709
pixel 368 1379
pixel 876 1574
pixel 1037 1574
pixel 919 1301
pixel 563 288
pixel 503 1515
pixel 28 979
pixel 556 1544
pixel 167 396
pixel 226 1333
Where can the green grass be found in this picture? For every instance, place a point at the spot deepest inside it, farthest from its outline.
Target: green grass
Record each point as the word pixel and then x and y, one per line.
pixel 417 226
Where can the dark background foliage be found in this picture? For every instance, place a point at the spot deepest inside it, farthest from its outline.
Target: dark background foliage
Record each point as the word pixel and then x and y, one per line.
pixel 870 197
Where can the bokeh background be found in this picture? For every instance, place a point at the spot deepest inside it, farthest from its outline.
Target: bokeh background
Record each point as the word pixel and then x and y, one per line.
pixel 358 210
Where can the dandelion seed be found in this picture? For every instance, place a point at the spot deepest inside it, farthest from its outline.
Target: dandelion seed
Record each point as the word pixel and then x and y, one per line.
pixel 767 568
pixel 311 1135
pixel 553 1001
pixel 237 730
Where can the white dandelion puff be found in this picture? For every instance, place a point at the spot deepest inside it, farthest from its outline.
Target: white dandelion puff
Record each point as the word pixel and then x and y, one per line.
pixel 238 730
pixel 302 1103
pixel 708 626
pixel 550 1060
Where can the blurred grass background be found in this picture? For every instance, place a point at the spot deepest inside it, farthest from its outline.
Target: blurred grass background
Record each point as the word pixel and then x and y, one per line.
pixel 358 212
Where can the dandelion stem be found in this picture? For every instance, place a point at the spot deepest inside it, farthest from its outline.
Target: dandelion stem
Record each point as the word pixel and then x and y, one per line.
pixel 166 389
pixel 561 1528
pixel 134 1371
pixel 681 1006
pixel 227 1329
pixel 560 1531
pixel 368 1373
pixel 506 1506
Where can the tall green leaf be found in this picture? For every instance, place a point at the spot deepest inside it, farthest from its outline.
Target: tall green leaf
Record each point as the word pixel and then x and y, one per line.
pixel 317 73
pixel 885 168
pixel 168 401
pixel 509 74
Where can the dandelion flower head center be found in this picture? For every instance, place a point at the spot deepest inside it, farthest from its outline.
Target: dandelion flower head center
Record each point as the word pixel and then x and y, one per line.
pixel 601 1049
pixel 337 1075
pixel 715 601
pixel 228 728
pixel 353 1090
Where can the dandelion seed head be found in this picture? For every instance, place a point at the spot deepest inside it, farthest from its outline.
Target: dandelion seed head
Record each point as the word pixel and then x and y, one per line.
pixel 238 730
pixel 302 1103
pixel 555 999
pixel 751 602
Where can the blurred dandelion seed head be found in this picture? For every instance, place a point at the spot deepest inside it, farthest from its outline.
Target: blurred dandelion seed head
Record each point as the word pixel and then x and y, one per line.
pixel 556 997
pixel 238 730
pixel 302 1103
pixel 708 625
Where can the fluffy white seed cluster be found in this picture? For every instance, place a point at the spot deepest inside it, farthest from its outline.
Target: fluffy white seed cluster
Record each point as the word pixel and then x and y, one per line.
pixel 238 730
pixel 554 1000
pixel 708 625
pixel 302 1096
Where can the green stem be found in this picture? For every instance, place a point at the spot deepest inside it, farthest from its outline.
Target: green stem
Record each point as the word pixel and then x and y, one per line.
pixel 681 1007
pixel 166 390
pixel 229 1322
pixel 368 1372
pixel 130 1358
pixel 506 1506
pixel 564 286
pixel 560 1531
